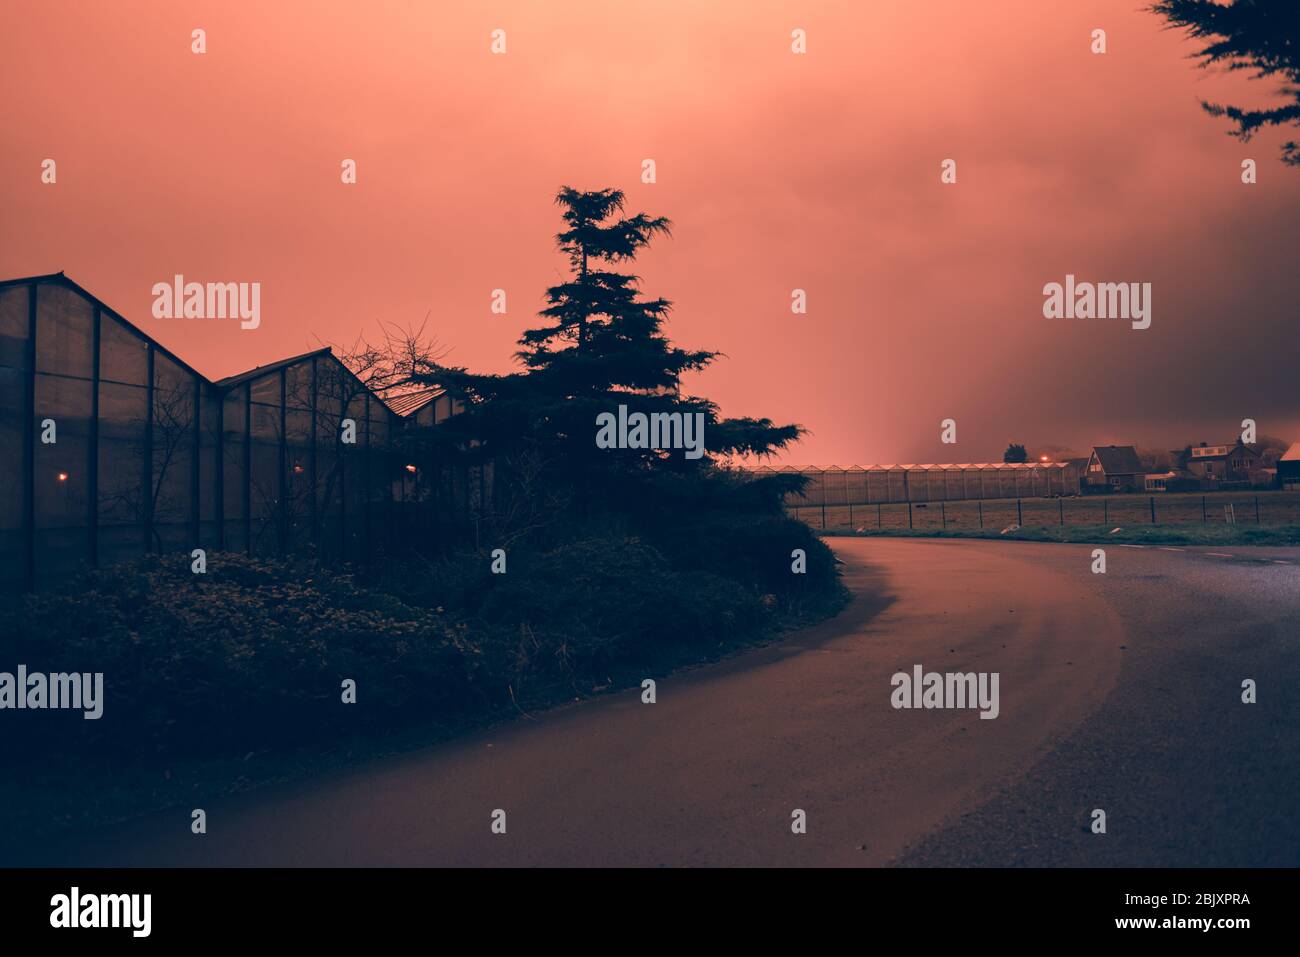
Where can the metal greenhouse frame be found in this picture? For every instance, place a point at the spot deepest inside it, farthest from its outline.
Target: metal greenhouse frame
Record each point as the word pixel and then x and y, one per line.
pixel 117 447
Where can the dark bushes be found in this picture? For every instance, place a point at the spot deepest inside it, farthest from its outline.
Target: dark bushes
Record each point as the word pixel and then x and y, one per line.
pixel 247 657
pixel 251 656
pixel 754 549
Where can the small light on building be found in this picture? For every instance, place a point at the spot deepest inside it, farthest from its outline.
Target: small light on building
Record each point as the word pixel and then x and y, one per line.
pixel 63 476
pixel 1045 458
pixel 410 468
pixel 297 468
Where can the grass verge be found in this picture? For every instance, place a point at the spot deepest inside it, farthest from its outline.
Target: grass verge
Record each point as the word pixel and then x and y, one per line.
pixel 1100 534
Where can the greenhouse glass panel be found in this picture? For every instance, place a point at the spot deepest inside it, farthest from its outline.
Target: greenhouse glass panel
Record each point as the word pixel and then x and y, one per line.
pixel 173 455
pixel 123 355
pixel 234 468
pixel 122 413
pixel 62 480
pixel 65 336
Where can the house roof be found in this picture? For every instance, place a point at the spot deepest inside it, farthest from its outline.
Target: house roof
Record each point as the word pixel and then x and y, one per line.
pixel 1230 449
pixel 1292 454
pixel 259 371
pixel 1118 459
pixel 230 382
pixel 413 402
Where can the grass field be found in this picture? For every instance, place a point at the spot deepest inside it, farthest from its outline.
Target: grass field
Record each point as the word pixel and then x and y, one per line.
pixel 1099 515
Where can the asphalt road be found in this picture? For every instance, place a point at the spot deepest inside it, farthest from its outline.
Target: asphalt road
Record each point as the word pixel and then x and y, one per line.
pixel 1119 691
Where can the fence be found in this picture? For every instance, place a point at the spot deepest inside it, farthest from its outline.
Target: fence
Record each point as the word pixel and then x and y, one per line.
pixel 1263 508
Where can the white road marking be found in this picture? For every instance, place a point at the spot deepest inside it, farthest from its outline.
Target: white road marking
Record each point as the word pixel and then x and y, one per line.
pixel 1278 561
pixel 1219 554
pixel 1166 548
pixel 1132 546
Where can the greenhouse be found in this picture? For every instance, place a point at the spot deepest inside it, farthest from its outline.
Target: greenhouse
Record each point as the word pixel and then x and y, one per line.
pixel 876 484
pixel 116 446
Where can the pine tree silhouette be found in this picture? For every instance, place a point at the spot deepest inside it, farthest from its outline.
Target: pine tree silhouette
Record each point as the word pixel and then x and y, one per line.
pixel 602 346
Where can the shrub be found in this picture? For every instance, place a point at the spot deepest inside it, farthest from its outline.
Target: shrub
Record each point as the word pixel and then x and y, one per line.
pixel 249 656
pixel 755 550
pixel 574 613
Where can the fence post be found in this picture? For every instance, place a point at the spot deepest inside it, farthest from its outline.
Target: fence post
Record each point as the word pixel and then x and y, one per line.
pixel 1256 509
pixel 1105 511
pixel 909 514
pixel 878 518
pixel 823 514
pixel 851 517
pixel 1060 504
pixel 980 506
pixel 943 514
pixel 1204 520
pixel 1153 509
pixel 1020 518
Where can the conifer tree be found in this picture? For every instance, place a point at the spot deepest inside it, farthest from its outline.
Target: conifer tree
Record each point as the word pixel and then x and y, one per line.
pixel 602 345
pixel 1262 36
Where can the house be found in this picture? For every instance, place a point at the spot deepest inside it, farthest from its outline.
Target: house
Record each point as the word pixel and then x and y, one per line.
pixel 1220 463
pixel 1115 467
pixel 1288 469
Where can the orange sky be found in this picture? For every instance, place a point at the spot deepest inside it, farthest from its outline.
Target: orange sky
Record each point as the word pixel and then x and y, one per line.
pixel 780 171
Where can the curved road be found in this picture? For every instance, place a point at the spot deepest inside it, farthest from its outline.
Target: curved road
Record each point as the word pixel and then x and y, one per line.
pixel 1118 691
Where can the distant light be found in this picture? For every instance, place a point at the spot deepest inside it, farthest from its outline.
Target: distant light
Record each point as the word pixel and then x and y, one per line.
pixel 63 476
pixel 1045 458
pixel 410 468
pixel 297 469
